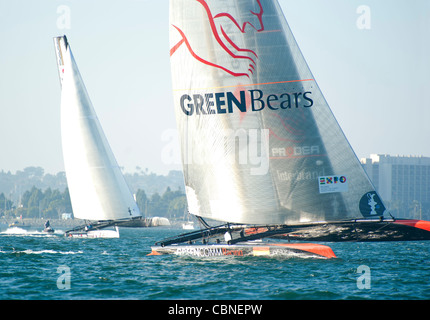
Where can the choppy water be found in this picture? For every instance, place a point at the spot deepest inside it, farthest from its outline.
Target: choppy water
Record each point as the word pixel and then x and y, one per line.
pixel 39 266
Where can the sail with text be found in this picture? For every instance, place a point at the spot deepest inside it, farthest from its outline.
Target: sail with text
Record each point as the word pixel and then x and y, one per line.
pixel 260 144
pixel 97 187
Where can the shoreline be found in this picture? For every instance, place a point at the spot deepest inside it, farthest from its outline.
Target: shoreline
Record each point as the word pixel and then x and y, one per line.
pixel 38 223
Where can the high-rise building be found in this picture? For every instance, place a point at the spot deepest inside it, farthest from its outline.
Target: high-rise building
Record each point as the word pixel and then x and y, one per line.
pixel 403 182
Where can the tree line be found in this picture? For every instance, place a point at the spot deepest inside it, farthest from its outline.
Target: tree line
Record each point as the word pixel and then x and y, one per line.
pixel 171 204
pixel 51 204
pixel 14 184
pixel 36 203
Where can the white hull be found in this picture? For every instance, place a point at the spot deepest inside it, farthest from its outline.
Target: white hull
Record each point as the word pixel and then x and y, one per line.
pixel 95 234
pixel 188 226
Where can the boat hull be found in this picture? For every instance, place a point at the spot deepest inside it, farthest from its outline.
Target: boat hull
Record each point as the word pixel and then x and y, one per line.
pixel 362 231
pixel 264 249
pixel 94 234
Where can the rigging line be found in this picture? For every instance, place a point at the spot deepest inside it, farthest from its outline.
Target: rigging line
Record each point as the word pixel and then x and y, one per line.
pixel 203 222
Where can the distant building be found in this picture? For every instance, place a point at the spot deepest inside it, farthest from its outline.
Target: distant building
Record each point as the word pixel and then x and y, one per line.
pixel 403 183
pixel 66 216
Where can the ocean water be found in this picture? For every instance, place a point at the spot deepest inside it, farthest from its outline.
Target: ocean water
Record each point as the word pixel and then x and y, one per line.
pixel 37 266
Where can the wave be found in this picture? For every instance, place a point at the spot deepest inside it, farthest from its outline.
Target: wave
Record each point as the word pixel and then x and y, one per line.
pixel 26 232
pixel 30 251
pixel 15 230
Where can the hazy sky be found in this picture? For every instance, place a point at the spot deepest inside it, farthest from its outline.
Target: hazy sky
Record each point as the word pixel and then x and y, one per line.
pixel 374 74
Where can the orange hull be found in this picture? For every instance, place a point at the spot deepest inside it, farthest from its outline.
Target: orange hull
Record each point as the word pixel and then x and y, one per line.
pixel 272 249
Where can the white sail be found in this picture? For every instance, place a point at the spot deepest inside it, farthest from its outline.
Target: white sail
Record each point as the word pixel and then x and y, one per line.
pixel 98 190
pixel 259 142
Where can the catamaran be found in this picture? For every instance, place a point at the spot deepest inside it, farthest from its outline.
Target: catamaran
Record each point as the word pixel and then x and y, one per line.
pixel 261 149
pixel 98 190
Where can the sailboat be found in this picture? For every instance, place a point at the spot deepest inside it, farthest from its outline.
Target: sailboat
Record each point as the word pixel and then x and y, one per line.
pixel 262 152
pixel 98 191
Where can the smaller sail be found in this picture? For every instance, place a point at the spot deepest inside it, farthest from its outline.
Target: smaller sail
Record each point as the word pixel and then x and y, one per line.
pixel 98 190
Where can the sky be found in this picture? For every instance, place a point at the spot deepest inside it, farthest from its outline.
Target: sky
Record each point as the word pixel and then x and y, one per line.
pixel 371 63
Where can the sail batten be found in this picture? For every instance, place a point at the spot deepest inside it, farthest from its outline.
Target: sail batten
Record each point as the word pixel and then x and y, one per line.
pixel 259 142
pixel 98 190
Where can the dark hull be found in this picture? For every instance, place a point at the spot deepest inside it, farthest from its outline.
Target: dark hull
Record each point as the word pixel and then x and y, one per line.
pixel 398 230
pixel 269 250
pixel 138 222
